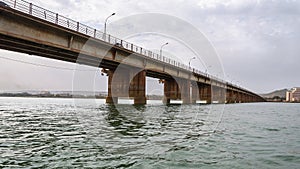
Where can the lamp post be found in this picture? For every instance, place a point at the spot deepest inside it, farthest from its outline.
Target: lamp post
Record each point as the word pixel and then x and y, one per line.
pixel 190 61
pixel 160 51
pixel 104 34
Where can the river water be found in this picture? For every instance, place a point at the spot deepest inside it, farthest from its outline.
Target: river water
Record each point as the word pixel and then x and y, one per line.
pixel 67 133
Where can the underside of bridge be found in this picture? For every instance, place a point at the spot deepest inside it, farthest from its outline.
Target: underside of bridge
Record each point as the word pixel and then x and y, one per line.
pixel 128 82
pixel 126 69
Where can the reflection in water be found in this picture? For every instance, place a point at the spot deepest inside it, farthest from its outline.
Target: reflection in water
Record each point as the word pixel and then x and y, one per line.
pixel 128 121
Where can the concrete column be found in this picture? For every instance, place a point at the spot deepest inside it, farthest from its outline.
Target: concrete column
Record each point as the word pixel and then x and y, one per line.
pixel 171 91
pixel 248 99
pixel 109 98
pixel 205 93
pixel 119 85
pixel 177 89
pixel 222 96
pixel 166 100
pixel 239 98
pixel 229 96
pixel 233 96
pixel 243 100
pixel 236 97
pixel 137 88
pixel 195 93
pixel 185 87
pixel 218 94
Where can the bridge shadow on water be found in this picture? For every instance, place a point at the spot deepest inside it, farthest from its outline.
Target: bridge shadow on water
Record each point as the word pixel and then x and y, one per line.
pixel 138 120
pixel 131 120
pixel 128 121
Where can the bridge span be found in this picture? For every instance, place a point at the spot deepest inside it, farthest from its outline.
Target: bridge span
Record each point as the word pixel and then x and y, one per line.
pixel 30 29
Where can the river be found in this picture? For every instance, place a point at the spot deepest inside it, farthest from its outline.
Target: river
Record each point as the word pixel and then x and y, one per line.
pixel 86 133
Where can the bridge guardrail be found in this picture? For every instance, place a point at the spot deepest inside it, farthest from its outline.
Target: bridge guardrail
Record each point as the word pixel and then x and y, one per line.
pixel 55 18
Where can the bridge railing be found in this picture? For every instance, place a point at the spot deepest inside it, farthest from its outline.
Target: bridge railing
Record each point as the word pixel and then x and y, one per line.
pixel 65 22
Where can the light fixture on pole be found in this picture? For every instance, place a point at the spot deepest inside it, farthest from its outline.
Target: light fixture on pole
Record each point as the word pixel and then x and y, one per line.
pixel 160 51
pixel 190 61
pixel 104 33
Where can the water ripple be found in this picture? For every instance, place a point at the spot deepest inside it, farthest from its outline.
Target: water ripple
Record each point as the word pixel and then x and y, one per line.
pixel 52 133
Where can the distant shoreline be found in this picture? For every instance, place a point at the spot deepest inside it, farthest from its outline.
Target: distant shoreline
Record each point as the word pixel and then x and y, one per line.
pixel 66 96
pixel 83 97
pixel 70 96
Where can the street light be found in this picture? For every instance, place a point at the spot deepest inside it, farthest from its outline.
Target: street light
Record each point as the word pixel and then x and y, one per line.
pixel 105 24
pixel 190 61
pixel 161 49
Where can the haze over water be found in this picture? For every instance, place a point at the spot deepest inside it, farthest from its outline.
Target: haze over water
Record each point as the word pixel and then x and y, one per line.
pixel 53 133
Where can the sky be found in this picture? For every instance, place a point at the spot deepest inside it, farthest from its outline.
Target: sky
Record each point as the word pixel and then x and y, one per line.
pixel 256 41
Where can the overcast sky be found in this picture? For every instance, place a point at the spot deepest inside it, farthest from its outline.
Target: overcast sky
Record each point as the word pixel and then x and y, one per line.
pixel 257 41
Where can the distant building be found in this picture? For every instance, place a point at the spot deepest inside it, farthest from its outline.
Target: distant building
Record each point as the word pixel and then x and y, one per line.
pixel 293 95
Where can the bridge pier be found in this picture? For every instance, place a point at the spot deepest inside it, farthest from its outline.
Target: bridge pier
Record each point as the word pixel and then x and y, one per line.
pixel 178 89
pixel 109 98
pixel 185 87
pixel 238 97
pixel 137 88
pixel 205 93
pixel 222 98
pixel 235 97
pixel 229 96
pixel 243 98
pixel 218 94
pixel 247 98
pixel 252 99
pixel 195 93
pixel 170 91
pixel 126 83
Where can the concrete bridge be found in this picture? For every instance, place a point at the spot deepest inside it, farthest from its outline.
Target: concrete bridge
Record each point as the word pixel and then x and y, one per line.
pixel 29 29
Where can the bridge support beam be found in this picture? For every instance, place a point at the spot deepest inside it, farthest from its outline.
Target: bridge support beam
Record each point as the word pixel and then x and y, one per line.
pixel 110 99
pixel 218 94
pixel 235 97
pixel 185 86
pixel 137 88
pixel 245 98
pixel 205 93
pixel 195 93
pixel 229 96
pixel 222 98
pixel 126 83
pixel 178 89
pixel 171 91
pixel 239 97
